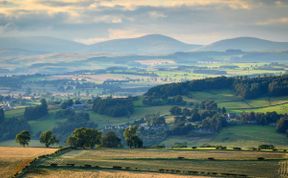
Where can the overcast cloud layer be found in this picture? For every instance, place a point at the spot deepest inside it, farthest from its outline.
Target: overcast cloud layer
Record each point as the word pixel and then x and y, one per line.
pixel 192 21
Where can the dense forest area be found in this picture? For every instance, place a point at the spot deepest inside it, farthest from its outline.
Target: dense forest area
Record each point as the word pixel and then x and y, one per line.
pixel 10 127
pixel 115 107
pixel 245 87
pixel 32 113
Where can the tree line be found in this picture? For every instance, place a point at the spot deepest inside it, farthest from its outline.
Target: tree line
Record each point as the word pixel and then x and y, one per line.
pixel 154 101
pixel 115 107
pixel 282 125
pixel 86 138
pixel 246 87
pixel 10 127
pixel 36 112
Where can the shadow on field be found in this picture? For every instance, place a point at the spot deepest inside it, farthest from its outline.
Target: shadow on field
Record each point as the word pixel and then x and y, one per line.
pixel 38 172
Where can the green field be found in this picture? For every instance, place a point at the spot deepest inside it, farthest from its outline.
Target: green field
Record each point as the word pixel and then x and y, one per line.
pixel 240 136
pixel 140 112
pixel 228 99
pixel 155 160
pixel 19 112
pixel 44 124
pixel 281 109
pixel 12 143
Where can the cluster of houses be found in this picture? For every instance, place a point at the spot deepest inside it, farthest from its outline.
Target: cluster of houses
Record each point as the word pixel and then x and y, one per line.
pixel 6 106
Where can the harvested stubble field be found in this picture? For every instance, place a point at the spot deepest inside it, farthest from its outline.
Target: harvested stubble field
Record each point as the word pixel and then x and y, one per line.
pixel 101 174
pixel 222 162
pixel 14 159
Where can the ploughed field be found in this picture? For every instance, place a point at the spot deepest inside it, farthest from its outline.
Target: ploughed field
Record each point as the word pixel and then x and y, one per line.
pixel 201 163
pixel 14 159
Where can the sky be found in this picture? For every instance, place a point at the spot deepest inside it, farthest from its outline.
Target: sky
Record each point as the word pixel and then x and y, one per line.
pixel 191 21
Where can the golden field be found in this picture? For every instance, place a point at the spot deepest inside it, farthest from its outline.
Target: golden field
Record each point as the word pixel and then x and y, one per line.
pixel 101 174
pixel 203 163
pixel 14 159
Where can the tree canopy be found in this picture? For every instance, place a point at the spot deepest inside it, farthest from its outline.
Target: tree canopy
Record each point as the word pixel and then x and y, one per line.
pixel 110 140
pixel 115 107
pixel 282 125
pixel 48 138
pixel 36 112
pixel 84 138
pixel 2 115
pixel 131 138
pixel 23 138
pixel 245 87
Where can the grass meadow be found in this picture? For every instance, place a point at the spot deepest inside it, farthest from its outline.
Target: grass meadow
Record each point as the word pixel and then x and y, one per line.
pixel 139 113
pixel 233 103
pixel 237 136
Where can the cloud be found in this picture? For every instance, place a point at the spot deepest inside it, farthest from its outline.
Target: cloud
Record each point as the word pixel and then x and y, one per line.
pixel 112 34
pixel 124 33
pixel 276 21
pixel 132 4
pixel 155 14
pixel 195 21
pixel 73 7
pixel 16 8
pixel 6 28
pixel 90 19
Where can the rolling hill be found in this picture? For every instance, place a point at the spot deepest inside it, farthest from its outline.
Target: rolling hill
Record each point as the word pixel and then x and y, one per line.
pixel 149 44
pixel 246 44
pixel 39 44
pixel 154 44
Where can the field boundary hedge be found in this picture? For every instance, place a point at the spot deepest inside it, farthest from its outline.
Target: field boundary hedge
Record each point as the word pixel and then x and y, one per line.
pixel 135 169
pixel 34 163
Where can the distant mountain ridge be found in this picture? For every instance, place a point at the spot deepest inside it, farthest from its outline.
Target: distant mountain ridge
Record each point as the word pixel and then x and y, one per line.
pixel 39 44
pixel 148 44
pixel 246 44
pixel 154 44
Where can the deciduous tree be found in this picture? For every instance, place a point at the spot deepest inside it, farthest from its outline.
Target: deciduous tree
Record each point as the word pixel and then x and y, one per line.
pixel 48 138
pixel 110 140
pixel 132 140
pixel 84 138
pixel 23 138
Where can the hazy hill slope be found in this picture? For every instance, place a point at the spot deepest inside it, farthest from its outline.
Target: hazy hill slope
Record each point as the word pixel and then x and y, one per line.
pixel 154 44
pixel 246 44
pixel 149 44
pixel 40 44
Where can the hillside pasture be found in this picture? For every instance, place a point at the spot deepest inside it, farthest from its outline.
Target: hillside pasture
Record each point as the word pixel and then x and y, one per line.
pixel 140 112
pixel 237 136
pixel 18 112
pixel 13 159
pixel 279 108
pixel 234 103
pixel 45 124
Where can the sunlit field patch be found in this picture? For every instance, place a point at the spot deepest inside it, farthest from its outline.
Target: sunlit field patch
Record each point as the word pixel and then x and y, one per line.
pixel 13 159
